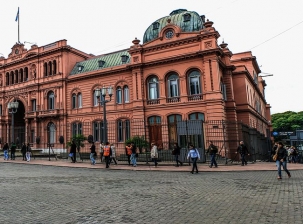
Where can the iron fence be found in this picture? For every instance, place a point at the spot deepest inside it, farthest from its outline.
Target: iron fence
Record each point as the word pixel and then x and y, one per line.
pixel 54 138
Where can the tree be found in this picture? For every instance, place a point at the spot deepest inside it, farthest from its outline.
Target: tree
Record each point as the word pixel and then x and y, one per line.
pixel 78 139
pixel 139 141
pixel 287 121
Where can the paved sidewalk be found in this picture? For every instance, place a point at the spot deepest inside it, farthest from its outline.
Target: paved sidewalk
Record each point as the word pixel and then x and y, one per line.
pixel 258 166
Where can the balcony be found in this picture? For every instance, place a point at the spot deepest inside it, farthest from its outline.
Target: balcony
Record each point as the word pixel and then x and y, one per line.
pixel 195 97
pixel 173 100
pixel 153 102
pixel 50 113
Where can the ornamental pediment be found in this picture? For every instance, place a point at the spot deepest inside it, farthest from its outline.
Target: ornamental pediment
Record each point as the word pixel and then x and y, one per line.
pixel 17 50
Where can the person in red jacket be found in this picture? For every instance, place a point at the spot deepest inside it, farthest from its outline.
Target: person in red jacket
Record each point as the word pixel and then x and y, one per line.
pixel 107 154
pixel 128 152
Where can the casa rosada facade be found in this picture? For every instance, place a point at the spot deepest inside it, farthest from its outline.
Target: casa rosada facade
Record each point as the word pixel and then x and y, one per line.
pixel 178 72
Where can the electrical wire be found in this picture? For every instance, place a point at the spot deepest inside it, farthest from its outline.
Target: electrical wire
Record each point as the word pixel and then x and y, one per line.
pixel 277 35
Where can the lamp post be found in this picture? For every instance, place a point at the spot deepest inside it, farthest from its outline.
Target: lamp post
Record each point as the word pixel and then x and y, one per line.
pixel 104 91
pixel 12 109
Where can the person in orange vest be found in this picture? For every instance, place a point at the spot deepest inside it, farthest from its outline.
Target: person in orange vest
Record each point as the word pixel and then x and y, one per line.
pixel 107 154
pixel 128 152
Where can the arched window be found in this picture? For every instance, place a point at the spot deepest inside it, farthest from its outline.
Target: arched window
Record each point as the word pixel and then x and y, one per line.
pixel 49 68
pixel 123 130
pixel 155 130
pixel 153 88
pixel 223 90
pixel 120 130
pixel 7 78
pixel 126 94
pixel 118 95
pixel 174 118
pixel 21 75
pixel 195 129
pixel 79 100
pixel 173 85
pixel 26 73
pixel 255 77
pixel 45 69
pixel 54 67
pixel 196 116
pixel 51 128
pixel 51 100
pixel 156 25
pixel 194 83
pixel 98 130
pixel 154 120
pixel 12 78
pixel 127 129
pixel 16 76
pixel 186 17
pixel 95 99
pixel 174 121
pixel 74 101
pixel 76 128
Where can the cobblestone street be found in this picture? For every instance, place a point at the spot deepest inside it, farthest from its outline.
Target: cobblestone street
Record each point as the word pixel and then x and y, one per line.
pixel 50 194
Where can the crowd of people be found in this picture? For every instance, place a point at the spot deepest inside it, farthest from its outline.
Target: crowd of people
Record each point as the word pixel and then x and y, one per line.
pixel 10 152
pixel 280 154
pixel 108 154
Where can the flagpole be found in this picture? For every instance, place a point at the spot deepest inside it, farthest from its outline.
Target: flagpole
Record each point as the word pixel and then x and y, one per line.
pixel 18 25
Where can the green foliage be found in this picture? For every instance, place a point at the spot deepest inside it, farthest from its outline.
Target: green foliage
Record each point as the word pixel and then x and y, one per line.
pixel 78 139
pixel 287 121
pixel 139 141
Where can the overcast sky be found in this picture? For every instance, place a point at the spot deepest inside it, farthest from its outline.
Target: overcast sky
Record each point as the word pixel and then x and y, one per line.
pixel 271 29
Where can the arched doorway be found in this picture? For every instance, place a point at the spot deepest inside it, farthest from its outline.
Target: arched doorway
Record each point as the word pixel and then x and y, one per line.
pixel 19 125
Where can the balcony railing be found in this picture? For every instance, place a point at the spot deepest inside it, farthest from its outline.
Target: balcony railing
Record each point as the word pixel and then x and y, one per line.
pixel 195 97
pixel 152 102
pixel 173 100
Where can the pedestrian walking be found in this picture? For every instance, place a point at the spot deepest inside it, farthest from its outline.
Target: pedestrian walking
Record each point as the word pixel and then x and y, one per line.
pixel 113 156
pixel 92 154
pixel 28 152
pixel 194 155
pixel 154 153
pixel 134 154
pixel 212 150
pixel 101 150
pixel 243 151
pixel 107 153
pixel 176 154
pixel 73 150
pixel 282 160
pixel 273 151
pixel 23 151
pixel 13 151
pixel 128 152
pixel 5 151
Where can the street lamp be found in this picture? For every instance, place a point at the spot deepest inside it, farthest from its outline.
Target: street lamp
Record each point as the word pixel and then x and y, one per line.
pixel 102 101
pixel 12 109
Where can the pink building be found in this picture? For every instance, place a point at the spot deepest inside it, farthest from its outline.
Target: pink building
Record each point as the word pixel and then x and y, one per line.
pixel 179 73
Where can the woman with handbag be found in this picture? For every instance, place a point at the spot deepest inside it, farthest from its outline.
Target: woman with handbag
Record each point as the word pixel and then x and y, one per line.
pixel 281 160
pixel 154 153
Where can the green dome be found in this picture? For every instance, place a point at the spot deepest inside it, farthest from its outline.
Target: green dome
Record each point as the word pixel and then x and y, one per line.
pixel 188 22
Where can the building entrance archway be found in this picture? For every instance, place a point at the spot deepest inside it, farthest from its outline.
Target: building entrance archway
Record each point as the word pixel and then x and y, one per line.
pixel 19 125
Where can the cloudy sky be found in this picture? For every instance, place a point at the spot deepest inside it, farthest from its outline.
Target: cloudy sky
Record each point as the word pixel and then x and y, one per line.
pixel 271 29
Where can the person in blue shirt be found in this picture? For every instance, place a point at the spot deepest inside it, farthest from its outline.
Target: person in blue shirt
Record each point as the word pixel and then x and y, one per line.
pixel 194 155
